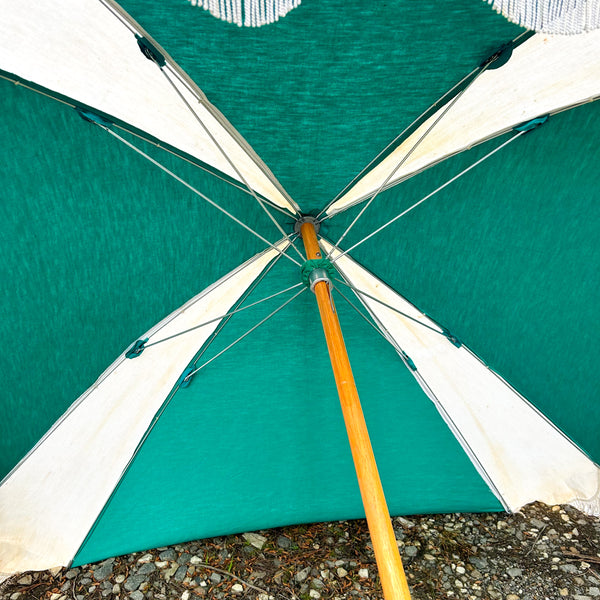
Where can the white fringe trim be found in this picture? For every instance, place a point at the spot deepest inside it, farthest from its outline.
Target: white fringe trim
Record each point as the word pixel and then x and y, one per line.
pixel 247 13
pixel 589 506
pixel 551 16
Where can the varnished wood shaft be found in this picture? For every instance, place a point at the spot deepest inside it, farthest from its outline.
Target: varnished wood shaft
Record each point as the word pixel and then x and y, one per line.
pixel 391 572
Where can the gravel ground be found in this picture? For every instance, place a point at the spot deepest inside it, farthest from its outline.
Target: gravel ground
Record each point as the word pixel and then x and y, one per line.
pixel 541 553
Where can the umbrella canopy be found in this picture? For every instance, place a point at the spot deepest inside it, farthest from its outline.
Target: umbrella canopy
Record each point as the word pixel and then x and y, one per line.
pixel 472 335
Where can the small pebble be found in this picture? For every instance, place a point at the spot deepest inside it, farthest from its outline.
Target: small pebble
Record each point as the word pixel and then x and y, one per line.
pixel 237 588
pixel 255 539
pixel 146 558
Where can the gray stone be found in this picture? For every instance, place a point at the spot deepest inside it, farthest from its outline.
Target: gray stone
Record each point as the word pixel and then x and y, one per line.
pixel 104 570
pixel 72 573
pixel 216 578
pixel 284 542
pixel 180 573
pixel 136 595
pixel 317 584
pixel 594 591
pixel 515 572
pixel 568 568
pixel 537 523
pixel 405 522
pixel 133 582
pixel 410 550
pixel 302 575
pixel 479 562
pixel 146 568
pixel 184 558
pixel 169 554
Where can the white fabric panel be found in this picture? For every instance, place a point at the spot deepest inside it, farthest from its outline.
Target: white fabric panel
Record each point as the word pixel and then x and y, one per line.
pixel 80 49
pixel 544 75
pixel 520 454
pixel 52 498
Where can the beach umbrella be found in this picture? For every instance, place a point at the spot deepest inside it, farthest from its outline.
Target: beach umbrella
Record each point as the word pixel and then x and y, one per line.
pixel 178 188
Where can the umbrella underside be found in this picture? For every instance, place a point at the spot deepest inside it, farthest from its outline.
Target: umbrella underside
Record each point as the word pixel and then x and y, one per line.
pixel 99 245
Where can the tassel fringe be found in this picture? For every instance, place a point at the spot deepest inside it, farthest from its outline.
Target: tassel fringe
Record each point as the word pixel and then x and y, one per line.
pixel 247 13
pixel 551 16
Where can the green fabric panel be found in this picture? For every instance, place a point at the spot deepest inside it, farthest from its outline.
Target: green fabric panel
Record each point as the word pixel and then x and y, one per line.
pixel 271 448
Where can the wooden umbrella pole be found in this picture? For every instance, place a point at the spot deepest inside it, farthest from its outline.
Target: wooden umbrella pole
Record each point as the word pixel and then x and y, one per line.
pixel 391 572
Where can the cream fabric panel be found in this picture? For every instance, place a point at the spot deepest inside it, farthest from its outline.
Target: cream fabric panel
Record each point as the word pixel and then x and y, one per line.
pixel 544 75
pixel 80 49
pixel 521 455
pixel 50 501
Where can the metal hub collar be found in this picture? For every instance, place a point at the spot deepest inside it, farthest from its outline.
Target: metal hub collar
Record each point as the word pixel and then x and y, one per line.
pixel 306 219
